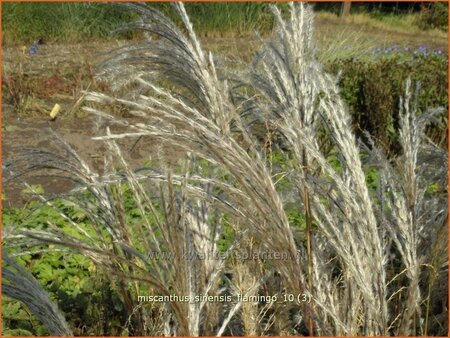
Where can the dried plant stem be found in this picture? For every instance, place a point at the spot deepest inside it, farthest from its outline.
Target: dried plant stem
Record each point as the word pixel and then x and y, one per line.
pixel 309 218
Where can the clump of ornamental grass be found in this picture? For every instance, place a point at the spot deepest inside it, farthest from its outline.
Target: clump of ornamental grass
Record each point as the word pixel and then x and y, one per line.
pixel 367 258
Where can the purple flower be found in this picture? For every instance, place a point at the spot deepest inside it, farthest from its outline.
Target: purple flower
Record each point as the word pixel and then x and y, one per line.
pixel 33 50
pixel 34 47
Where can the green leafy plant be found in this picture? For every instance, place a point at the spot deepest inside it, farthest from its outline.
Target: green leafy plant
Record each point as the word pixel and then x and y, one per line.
pixel 372 91
pixel 433 15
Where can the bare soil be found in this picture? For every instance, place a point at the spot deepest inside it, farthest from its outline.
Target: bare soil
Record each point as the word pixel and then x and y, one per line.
pixel 78 132
pixel 59 74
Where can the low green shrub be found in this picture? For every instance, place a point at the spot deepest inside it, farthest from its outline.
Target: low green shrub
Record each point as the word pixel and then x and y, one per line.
pixel 88 300
pixel 433 15
pixel 372 91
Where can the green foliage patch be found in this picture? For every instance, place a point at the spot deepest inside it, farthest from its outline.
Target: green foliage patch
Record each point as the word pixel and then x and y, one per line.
pixel 372 90
pixel 433 15
pixel 90 303
pixel 63 21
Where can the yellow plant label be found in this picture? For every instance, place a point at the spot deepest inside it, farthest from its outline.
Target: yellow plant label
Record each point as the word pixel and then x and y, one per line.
pixel 55 111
